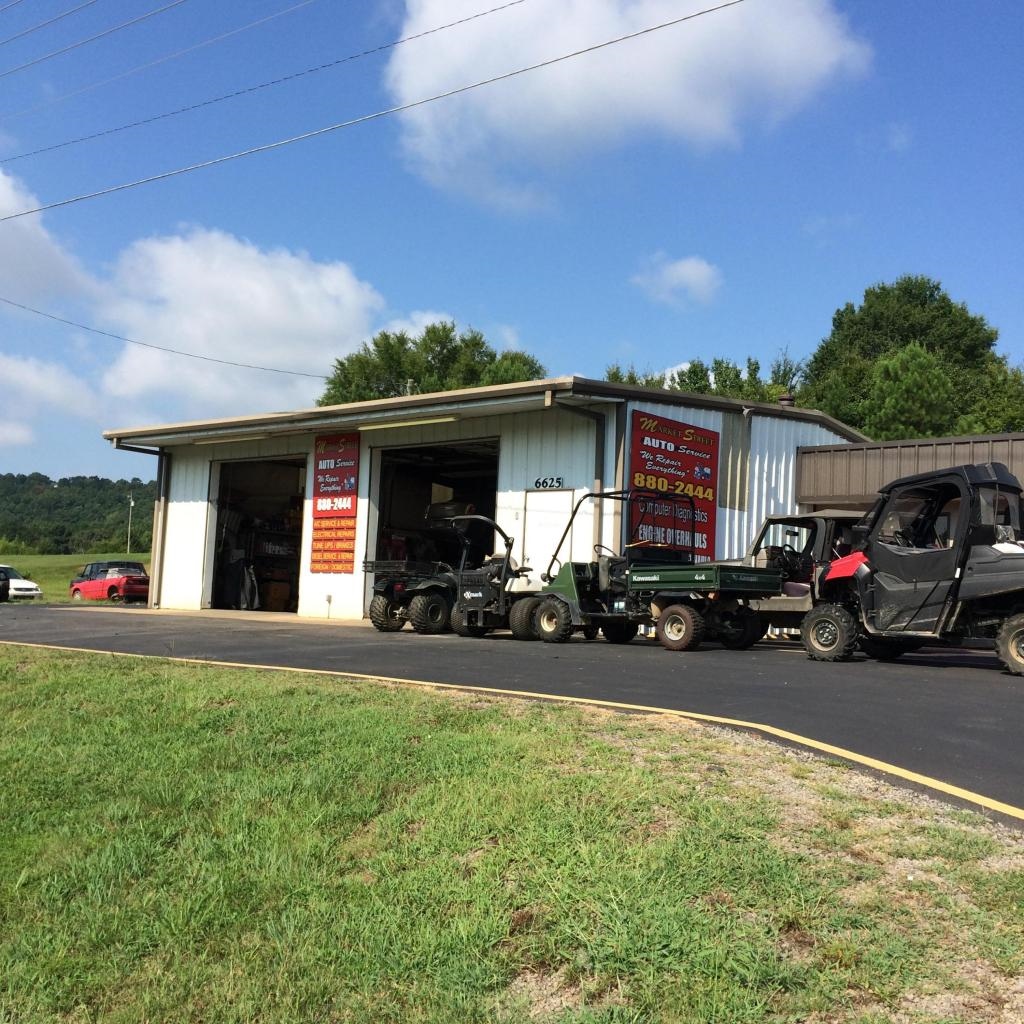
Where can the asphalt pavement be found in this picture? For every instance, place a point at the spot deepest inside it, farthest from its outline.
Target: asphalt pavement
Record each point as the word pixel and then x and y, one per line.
pixel 951 715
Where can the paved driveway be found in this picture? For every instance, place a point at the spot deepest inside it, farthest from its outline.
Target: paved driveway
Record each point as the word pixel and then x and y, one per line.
pixel 954 716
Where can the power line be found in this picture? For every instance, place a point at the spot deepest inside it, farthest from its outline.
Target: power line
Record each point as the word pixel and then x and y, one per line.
pixel 263 85
pixel 153 63
pixel 91 39
pixel 158 348
pixel 368 117
pixel 7 7
pixel 51 21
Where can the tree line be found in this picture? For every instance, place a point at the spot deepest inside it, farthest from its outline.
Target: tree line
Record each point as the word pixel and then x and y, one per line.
pixel 907 361
pixel 73 515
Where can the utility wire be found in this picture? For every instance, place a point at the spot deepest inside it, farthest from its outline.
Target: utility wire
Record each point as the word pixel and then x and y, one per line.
pixel 369 117
pixel 263 85
pixel 153 63
pixel 51 21
pixel 7 7
pixel 91 39
pixel 158 348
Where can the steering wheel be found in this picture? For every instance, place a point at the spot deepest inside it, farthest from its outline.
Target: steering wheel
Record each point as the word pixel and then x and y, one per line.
pixel 790 561
pixel 603 549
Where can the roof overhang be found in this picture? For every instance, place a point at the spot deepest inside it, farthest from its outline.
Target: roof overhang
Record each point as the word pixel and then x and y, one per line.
pixel 440 407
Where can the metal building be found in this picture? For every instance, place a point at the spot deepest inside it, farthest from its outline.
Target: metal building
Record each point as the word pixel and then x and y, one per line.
pixel 849 475
pixel 283 508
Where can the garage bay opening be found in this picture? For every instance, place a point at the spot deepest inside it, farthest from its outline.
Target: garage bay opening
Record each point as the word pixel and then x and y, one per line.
pixel 259 534
pixel 419 486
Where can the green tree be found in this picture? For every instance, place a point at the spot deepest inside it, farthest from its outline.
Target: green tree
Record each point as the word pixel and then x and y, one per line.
pixel 1000 407
pixel 912 310
pixel 646 379
pixel 439 359
pixel 910 396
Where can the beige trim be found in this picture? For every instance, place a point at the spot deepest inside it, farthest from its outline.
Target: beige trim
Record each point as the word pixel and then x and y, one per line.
pixel 468 402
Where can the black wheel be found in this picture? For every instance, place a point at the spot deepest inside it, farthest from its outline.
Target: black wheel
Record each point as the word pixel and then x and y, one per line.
pixel 554 621
pixel 883 648
pixel 385 615
pixel 590 632
pixel 520 618
pixel 429 613
pixel 741 630
pixel 619 632
pixel 679 628
pixel 829 633
pixel 113 595
pixel 463 628
pixel 1010 644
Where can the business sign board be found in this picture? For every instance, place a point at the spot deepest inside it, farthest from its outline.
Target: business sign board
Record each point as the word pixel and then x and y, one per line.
pixel 335 486
pixel 680 461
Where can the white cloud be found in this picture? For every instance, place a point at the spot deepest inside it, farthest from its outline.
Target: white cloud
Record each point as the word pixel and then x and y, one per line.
pixel 417 322
pixel 671 281
pixel 698 82
pixel 210 293
pixel 33 389
pixel 34 265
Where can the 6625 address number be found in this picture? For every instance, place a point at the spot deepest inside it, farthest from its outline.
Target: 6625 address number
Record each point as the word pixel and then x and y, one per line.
pixel 547 483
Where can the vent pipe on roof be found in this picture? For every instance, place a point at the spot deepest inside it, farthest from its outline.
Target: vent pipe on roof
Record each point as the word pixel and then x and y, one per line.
pixel 786 399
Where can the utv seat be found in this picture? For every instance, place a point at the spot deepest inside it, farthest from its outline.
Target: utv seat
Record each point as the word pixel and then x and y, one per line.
pixel 792 589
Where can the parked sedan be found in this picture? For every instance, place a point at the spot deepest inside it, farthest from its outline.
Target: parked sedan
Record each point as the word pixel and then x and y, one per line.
pixel 21 589
pixel 111 581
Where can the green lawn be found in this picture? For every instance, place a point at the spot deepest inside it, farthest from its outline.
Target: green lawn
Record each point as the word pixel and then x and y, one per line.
pixel 53 572
pixel 196 844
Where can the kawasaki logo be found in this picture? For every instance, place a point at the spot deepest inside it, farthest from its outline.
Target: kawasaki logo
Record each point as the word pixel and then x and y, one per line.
pixel 647 579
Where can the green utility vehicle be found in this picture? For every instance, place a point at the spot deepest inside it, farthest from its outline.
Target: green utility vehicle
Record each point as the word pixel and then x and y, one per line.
pixel 659 584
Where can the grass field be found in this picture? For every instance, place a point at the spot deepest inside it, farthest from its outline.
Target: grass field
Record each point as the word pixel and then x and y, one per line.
pixel 53 572
pixel 196 844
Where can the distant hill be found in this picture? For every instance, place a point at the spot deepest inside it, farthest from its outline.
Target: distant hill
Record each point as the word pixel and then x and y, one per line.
pixel 74 515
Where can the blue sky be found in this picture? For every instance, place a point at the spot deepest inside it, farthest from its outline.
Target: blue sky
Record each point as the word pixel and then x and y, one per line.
pixel 715 188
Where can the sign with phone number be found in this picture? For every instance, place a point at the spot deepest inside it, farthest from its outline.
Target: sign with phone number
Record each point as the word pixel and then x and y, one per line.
pixel 678 460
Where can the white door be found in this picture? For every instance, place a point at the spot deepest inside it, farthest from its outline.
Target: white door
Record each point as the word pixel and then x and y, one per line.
pixel 547 513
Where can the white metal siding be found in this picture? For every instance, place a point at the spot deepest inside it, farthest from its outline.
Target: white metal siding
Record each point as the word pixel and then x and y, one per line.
pixel 772 478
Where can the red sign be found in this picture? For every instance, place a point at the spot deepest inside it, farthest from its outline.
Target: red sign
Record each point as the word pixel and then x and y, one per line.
pixel 681 461
pixel 335 475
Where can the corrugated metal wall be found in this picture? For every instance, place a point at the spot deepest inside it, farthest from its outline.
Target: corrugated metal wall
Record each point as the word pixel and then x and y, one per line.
pixel 852 474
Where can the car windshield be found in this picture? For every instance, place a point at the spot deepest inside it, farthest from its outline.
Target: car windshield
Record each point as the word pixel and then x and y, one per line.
pixel 12 573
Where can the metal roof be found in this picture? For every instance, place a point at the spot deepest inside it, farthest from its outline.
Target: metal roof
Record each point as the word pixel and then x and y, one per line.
pixel 462 404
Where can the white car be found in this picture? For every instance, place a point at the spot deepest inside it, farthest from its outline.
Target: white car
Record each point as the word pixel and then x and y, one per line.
pixel 21 588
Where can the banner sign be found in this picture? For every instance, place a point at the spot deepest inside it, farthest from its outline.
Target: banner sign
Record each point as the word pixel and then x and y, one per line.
pixel 334 545
pixel 335 475
pixel 674 459
pixel 335 485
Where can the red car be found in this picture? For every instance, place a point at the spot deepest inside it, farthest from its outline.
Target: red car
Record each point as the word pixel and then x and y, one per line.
pixel 111 581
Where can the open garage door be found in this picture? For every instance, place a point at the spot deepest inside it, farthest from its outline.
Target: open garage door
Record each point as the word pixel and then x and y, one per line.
pixel 462 475
pixel 259 532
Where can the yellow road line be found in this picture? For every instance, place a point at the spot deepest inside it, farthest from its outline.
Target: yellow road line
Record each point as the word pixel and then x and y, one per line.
pixel 769 730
